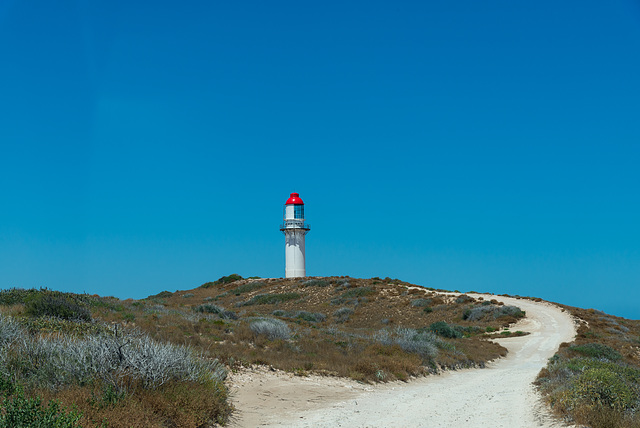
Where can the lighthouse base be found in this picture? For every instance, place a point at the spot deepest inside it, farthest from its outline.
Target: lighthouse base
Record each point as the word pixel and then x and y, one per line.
pixel 294 253
pixel 295 274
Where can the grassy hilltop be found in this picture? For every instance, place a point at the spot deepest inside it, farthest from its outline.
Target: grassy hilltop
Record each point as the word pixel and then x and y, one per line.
pixel 85 360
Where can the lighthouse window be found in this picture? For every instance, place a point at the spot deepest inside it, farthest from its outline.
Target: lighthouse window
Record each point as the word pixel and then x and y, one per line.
pixel 298 211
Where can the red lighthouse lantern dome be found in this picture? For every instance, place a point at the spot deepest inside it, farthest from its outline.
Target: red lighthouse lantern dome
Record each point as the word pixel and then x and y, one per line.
pixel 294 199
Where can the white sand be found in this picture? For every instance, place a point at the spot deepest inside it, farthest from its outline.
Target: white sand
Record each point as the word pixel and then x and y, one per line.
pixel 501 395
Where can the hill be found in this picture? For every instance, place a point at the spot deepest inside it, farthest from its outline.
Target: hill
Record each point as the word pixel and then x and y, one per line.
pixel 500 396
pixel 369 330
pixel 366 329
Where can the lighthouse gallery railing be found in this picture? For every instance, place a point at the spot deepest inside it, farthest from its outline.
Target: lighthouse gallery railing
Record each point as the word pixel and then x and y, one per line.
pixel 295 224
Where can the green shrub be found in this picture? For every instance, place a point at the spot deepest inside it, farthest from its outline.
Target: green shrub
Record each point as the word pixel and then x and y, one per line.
pixel 358 292
pixel 248 287
pixel 12 296
pixel 271 299
pixel 56 305
pixel 421 303
pixel 594 385
pixel 509 311
pixel 427 310
pixel 443 329
pixel 463 298
pixel 59 325
pixel 45 302
pixel 597 350
pixel 343 314
pixel 217 310
pixel 222 280
pixel 209 309
pixel 483 311
pixel 110 396
pixel 353 296
pixel 19 411
pixel 604 387
pixel 302 315
pixel 343 282
pixel 7 387
pixel 161 295
pixel 315 283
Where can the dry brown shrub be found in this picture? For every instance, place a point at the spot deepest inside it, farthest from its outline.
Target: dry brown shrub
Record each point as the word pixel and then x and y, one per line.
pixel 178 404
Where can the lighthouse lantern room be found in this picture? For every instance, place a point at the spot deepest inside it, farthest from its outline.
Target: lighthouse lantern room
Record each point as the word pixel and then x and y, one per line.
pixel 294 229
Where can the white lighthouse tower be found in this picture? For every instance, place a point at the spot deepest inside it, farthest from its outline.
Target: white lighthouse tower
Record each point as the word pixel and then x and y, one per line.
pixel 294 229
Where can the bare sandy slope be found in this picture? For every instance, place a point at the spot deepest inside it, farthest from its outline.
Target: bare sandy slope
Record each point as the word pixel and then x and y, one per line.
pixel 501 395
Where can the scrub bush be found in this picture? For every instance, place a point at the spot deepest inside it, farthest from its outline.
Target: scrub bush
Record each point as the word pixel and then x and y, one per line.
pixel 597 350
pixel 271 299
pixel 19 411
pixel 483 311
pixel 605 387
pixel 343 314
pixel 463 298
pixel 115 359
pixel 248 287
pixel 56 305
pixel 10 331
pixel 422 343
pixel 209 309
pixel 358 292
pixel 441 328
pixel 303 315
pixel 222 280
pixel 44 302
pixel 315 283
pixel 161 295
pixel 590 383
pixel 272 328
pixel 11 296
pixel 353 296
pixel 421 303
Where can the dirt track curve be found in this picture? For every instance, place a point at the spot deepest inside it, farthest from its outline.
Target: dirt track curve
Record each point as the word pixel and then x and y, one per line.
pixel 500 395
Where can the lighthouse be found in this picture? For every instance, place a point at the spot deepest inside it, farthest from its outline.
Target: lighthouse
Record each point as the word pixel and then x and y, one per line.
pixel 294 229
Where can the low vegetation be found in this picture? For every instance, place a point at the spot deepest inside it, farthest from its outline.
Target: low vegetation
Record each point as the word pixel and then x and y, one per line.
pixel 595 381
pixel 223 280
pixel 158 362
pixel 60 367
pixel 271 328
pixel 301 315
pixel 420 342
pixel 491 311
pixel 366 329
pixel 270 299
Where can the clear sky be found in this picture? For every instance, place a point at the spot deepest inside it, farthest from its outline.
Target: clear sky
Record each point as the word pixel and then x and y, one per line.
pixel 471 145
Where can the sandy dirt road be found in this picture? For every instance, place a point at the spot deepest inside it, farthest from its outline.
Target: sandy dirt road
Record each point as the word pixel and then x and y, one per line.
pixel 500 395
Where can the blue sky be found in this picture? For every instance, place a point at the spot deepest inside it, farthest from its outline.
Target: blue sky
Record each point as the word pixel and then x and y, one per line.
pixel 489 146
